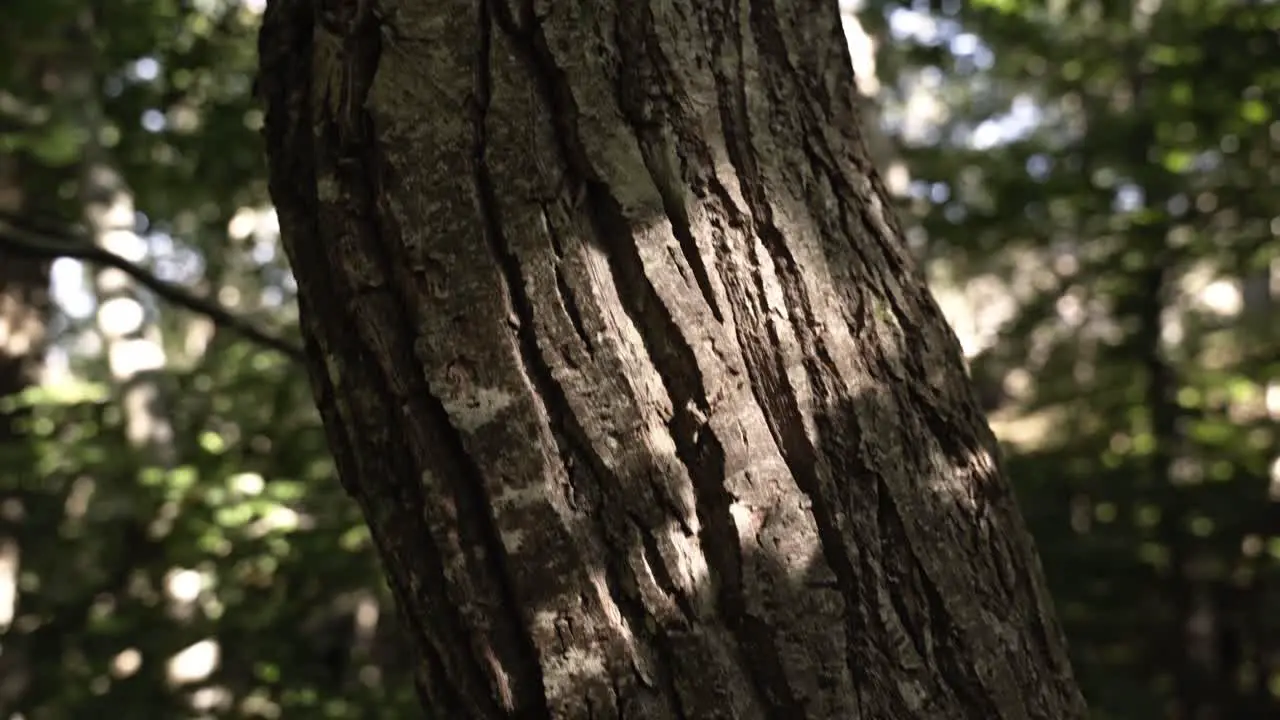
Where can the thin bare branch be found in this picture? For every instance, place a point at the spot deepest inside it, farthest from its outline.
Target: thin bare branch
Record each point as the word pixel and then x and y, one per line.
pixel 20 241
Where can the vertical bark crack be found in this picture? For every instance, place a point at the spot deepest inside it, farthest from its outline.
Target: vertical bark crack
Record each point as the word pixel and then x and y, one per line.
pixel 768 376
pixel 643 80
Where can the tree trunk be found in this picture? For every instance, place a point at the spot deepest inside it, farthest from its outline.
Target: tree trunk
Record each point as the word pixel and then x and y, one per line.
pixel 624 358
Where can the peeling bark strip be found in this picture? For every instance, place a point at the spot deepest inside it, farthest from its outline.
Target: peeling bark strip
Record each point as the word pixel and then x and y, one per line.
pixel 620 351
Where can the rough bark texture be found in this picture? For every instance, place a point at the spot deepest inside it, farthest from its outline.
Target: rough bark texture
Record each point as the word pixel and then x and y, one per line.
pixel 623 357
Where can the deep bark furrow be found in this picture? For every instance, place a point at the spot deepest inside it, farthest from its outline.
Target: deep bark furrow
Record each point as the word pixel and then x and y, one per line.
pixel 571 309
pixel 976 697
pixel 672 356
pixel 286 83
pixel 618 230
pixel 643 67
pixel 786 418
pixel 568 299
pixel 534 364
pixel 941 428
pixel 783 416
pixel 464 679
pixel 366 289
pixel 961 627
pixel 559 408
pixel 378 319
pixel 610 223
pixel 630 685
pixel 794 449
pixel 663 661
pixel 605 483
pixel 286 50
pixel 902 581
pixel 943 579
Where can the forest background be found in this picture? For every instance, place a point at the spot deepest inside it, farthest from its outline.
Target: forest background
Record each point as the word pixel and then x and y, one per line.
pixel 1091 186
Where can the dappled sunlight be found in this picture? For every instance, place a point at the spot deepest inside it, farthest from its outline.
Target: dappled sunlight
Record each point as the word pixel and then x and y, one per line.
pixel 184 586
pixel 194 663
pixel 964 482
pixel 22 328
pixel 10 555
pixel 109 548
pixel 128 662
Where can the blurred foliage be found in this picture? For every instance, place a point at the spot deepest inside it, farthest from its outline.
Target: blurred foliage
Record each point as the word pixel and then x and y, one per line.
pixel 241 536
pixel 1134 218
pixel 1129 227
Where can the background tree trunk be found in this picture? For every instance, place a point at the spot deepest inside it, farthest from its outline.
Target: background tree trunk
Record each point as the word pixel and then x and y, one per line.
pixel 25 308
pixel 620 350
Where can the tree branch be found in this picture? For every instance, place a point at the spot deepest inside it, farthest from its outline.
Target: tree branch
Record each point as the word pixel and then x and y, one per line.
pixel 16 239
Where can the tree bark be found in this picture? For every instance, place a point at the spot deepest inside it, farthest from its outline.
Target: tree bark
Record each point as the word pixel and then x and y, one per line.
pixel 621 352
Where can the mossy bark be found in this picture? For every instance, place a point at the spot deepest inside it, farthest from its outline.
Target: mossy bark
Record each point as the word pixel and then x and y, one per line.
pixel 620 349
